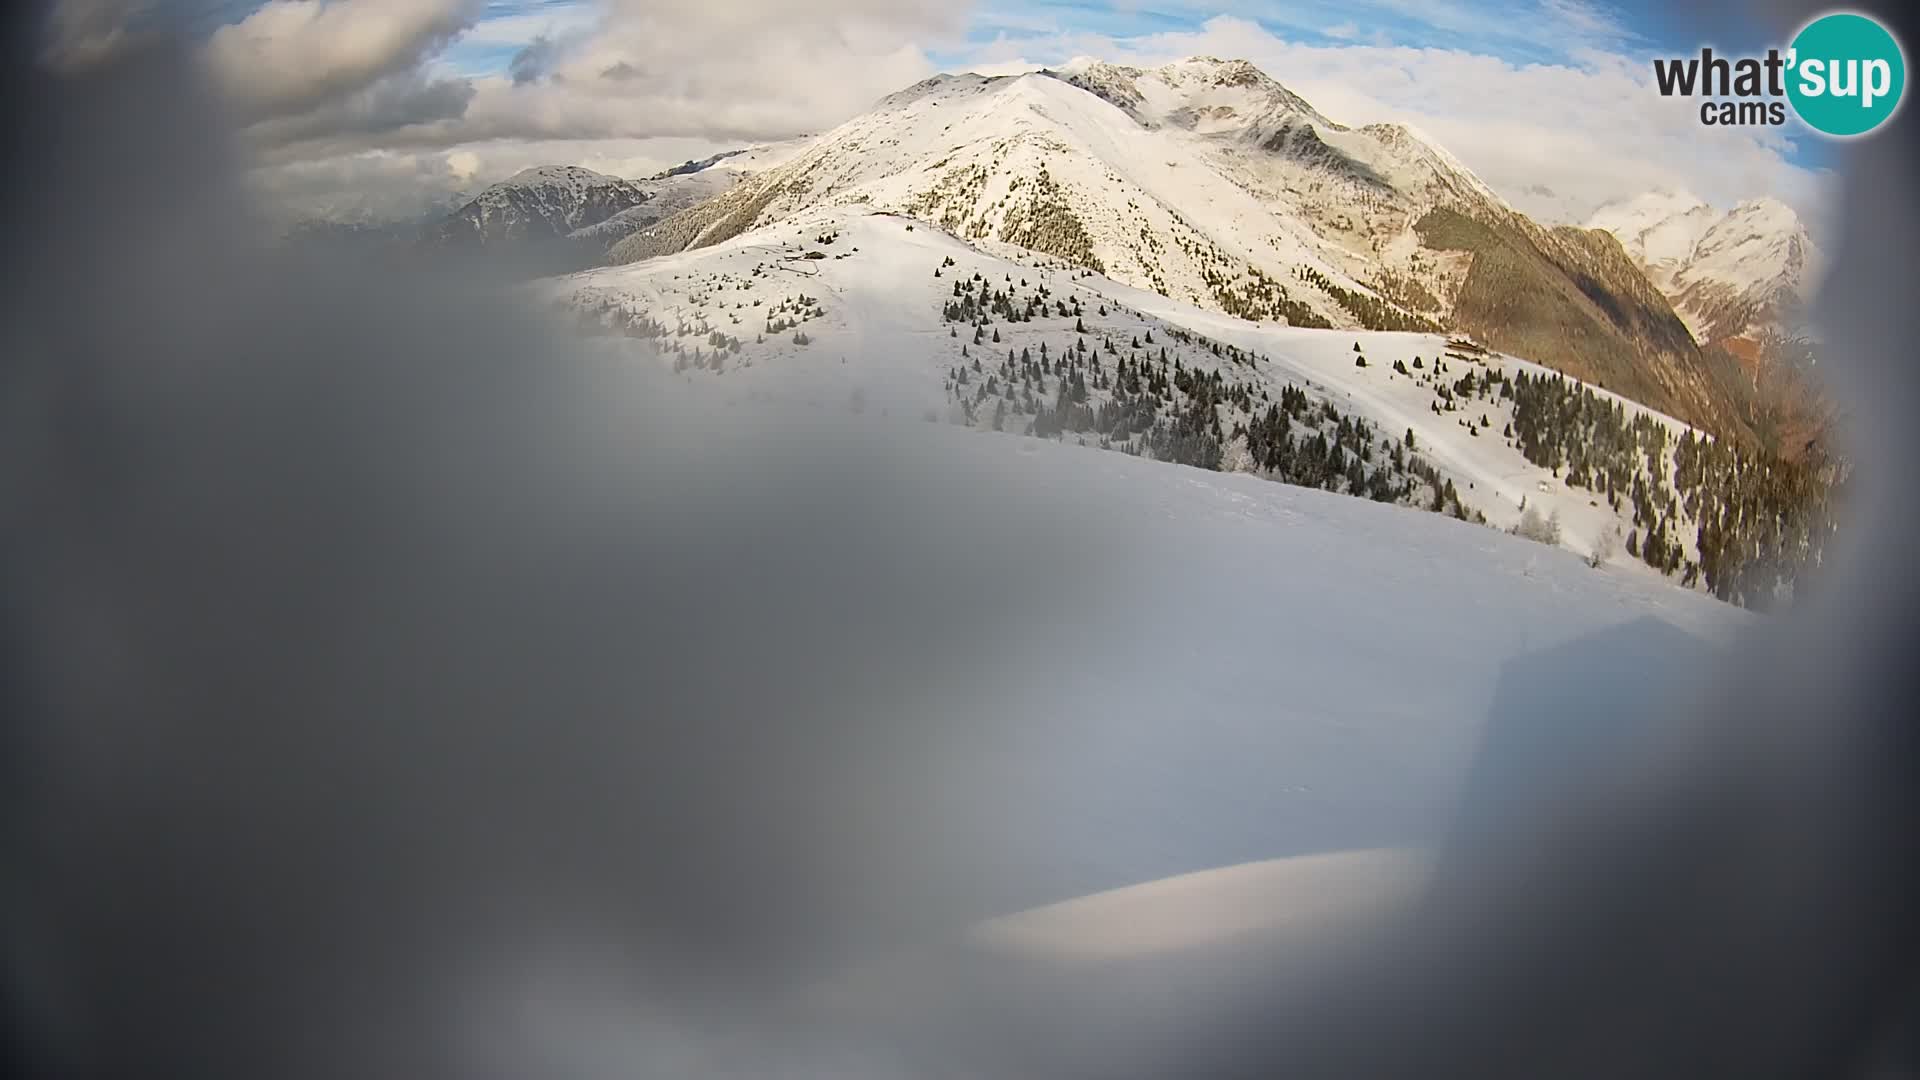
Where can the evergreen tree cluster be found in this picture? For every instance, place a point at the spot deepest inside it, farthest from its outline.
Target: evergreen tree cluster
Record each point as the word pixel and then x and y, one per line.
pixel 1762 524
pixel 976 302
pixel 1406 291
pixel 1757 524
pixel 950 199
pixel 1180 398
pixel 791 312
pixel 1037 217
pixel 601 315
pixel 1373 312
pixel 1257 297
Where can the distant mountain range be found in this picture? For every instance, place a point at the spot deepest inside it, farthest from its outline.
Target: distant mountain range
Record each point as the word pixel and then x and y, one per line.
pixel 1193 264
pixel 1728 273
pixel 1208 182
pixel 556 218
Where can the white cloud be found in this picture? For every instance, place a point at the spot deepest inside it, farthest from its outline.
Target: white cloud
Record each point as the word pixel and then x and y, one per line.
pixel 291 56
pixel 730 70
pixel 371 186
pixel 1590 22
pixel 463 164
pixel 362 95
pixel 721 68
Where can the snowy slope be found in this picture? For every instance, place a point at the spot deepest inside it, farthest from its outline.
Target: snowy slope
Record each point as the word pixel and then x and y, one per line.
pixel 1271 674
pixel 763 156
pixel 1728 274
pixel 1495 478
pixel 1281 608
pixel 665 196
pixel 747 159
pixel 870 309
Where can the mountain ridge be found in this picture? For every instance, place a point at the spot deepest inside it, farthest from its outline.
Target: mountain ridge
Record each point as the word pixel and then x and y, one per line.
pixel 1209 182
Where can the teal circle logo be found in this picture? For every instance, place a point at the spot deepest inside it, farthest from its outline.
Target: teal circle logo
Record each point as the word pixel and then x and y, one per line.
pixel 1847 74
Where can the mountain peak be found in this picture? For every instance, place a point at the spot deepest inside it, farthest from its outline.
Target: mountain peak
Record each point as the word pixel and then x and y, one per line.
pixel 1220 72
pixel 1769 209
pixel 1202 94
pixel 568 175
pixel 943 83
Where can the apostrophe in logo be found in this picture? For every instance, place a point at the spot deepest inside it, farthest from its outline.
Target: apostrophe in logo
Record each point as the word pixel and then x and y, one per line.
pixel 1844 75
pixel 1848 74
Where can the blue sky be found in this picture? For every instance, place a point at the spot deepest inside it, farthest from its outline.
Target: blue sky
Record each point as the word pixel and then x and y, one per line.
pixel 1518 30
pixel 1510 30
pixel 1522 31
pixel 506 26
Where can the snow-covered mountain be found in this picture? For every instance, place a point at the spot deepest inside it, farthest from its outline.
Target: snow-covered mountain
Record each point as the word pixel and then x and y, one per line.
pixel 1727 273
pixel 1659 229
pixel 1203 180
pixel 544 203
pixel 1235 106
pixel 1210 184
pixel 564 216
